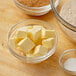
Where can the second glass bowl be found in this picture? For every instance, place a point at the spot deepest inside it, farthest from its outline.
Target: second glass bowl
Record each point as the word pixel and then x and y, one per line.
pixel 35 11
pixel 25 58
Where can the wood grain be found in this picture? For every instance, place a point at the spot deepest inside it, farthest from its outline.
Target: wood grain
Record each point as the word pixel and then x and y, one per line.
pixel 9 65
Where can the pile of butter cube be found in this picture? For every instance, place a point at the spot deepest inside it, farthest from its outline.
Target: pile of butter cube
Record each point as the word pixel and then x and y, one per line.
pixel 33 40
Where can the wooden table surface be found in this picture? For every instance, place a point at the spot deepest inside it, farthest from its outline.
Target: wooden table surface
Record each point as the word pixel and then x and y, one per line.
pixel 9 65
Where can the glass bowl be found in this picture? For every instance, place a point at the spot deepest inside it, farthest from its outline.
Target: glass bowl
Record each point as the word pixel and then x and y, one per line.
pixel 35 11
pixel 25 58
pixel 66 56
pixel 67 27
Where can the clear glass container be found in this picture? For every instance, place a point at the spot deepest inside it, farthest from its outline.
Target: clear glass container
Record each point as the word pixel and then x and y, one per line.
pixel 68 54
pixel 35 11
pixel 67 27
pixel 25 58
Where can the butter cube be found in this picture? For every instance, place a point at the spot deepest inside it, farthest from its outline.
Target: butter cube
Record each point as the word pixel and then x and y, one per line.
pixel 29 27
pixel 30 54
pixel 35 34
pixel 37 26
pixel 40 50
pixel 23 31
pixel 47 33
pixel 25 28
pixel 26 45
pixel 48 43
pixel 21 34
pixel 15 41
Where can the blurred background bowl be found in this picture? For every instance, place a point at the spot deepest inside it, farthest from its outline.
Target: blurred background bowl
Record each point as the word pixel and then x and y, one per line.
pixel 67 27
pixel 35 11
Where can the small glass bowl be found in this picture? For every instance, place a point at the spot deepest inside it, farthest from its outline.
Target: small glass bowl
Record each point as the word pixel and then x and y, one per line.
pixel 64 57
pixel 35 11
pixel 25 58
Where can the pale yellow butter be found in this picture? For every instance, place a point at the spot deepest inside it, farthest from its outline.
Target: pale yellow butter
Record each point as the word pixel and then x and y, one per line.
pixel 25 28
pixel 15 41
pixel 40 50
pixel 26 45
pixel 30 54
pixel 23 32
pixel 22 29
pixel 29 27
pixel 33 40
pixel 35 34
pixel 48 43
pixel 47 33
pixel 37 26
